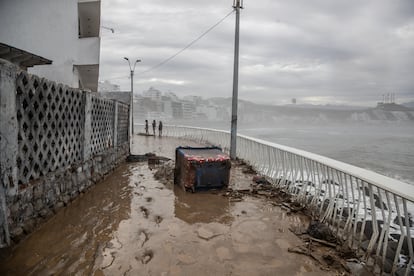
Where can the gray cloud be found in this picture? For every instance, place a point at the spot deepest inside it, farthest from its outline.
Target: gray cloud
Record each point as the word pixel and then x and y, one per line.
pixel 317 51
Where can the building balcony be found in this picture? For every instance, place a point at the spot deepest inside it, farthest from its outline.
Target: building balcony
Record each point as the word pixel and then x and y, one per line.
pixel 88 76
pixel 89 16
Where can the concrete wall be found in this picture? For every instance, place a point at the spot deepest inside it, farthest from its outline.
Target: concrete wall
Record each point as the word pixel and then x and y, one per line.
pixel 55 143
pixel 49 28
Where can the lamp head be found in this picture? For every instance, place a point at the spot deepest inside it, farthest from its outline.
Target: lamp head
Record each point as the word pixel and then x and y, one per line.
pixel 126 58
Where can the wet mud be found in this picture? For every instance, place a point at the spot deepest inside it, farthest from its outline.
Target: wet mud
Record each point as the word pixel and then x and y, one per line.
pixel 133 224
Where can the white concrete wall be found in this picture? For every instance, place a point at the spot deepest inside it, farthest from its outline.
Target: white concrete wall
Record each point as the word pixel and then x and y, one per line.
pixel 48 28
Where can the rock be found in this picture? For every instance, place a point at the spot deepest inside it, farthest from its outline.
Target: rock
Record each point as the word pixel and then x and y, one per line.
pixel 387 266
pixel 44 213
pixel 58 206
pixel 260 179
pixel 29 226
pixel 248 169
pixel 364 246
pixel 50 197
pixel 357 268
pixel 14 209
pixel 204 233
pixel 401 272
pixel 17 234
pixel 379 204
pixel 346 212
pixel 38 205
pixel 66 199
pixel 321 231
pixel 366 191
pixel 28 211
pixel 404 248
pixel 329 259
pixel 369 227
pixel 410 220
pixel 38 191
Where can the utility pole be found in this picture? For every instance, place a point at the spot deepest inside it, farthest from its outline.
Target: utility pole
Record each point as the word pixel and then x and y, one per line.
pixel 237 5
pixel 131 106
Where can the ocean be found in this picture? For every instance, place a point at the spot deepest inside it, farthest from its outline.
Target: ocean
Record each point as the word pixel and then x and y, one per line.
pixel 387 149
pixel 384 147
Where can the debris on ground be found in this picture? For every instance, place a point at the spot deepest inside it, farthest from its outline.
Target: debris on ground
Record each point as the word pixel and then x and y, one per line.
pixel 140 157
pixel 248 169
pixel 321 231
pixel 152 158
pixel 260 179
pixel 165 173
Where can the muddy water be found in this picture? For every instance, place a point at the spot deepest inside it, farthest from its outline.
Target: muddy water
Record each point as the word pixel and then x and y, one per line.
pixel 69 241
pixel 131 224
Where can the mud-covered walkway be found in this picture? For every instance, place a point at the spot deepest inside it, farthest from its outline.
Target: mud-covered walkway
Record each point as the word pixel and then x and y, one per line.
pixel 131 224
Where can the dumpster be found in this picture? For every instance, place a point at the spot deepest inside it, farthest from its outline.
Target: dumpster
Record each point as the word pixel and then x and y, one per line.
pixel 199 168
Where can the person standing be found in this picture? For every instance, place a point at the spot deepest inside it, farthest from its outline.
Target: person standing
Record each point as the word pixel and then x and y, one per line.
pixel 160 128
pixel 146 127
pixel 154 124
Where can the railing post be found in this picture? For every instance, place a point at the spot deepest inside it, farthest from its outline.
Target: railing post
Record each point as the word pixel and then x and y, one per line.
pixel 88 126
pixel 116 125
pixel 8 143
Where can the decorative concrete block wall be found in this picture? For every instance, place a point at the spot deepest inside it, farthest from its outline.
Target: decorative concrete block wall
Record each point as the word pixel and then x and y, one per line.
pixel 55 142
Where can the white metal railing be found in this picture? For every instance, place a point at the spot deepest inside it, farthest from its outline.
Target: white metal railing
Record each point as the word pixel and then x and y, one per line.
pixel 366 209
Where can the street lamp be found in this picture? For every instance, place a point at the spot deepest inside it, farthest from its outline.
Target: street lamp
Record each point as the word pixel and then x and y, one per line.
pixel 237 5
pixel 132 69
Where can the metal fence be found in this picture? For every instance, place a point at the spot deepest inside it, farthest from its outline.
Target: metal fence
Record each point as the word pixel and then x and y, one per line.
pixel 369 211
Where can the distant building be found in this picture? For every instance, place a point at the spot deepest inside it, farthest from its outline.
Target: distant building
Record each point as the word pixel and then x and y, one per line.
pixel 63 31
pixel 189 109
pixel 171 95
pixel 107 86
pixel 153 94
pixel 195 99
pixel 177 110
pixel 153 104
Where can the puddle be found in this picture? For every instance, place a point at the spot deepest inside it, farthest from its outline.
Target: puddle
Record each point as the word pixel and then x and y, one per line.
pixel 68 242
pixel 201 207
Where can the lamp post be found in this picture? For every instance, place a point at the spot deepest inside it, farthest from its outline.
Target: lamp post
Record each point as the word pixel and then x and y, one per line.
pixel 131 113
pixel 237 5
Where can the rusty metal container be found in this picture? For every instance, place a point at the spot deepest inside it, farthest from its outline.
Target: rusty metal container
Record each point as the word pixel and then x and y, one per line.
pixel 199 168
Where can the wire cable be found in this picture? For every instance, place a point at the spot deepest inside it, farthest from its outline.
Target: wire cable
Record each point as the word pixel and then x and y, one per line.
pixel 118 78
pixel 186 47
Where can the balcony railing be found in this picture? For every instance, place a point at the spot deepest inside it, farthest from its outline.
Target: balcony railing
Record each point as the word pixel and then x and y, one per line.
pixel 369 211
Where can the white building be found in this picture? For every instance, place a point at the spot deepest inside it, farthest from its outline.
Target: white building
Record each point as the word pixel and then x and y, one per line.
pixel 153 94
pixel 107 86
pixel 189 110
pixel 64 31
pixel 195 99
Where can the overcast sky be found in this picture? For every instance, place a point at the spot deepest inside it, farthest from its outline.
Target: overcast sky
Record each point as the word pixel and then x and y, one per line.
pixel 320 51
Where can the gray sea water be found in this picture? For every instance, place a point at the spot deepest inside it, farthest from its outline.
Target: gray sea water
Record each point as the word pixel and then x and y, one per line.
pixel 384 147
pixel 387 149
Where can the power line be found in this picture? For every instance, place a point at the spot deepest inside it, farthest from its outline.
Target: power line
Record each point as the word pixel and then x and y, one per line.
pixel 118 78
pixel 188 45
